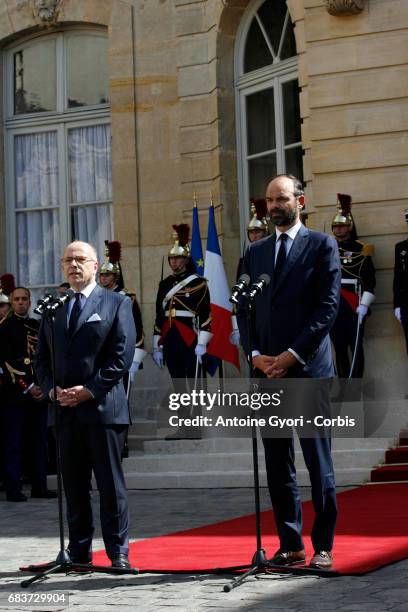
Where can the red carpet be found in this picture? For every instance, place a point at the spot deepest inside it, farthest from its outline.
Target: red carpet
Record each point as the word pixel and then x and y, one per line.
pixel 396 463
pixel 372 531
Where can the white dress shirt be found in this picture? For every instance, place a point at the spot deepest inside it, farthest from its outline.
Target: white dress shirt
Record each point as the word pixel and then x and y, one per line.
pixel 85 293
pixel 291 234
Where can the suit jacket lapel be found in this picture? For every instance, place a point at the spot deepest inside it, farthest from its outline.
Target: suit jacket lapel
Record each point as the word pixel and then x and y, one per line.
pixel 270 245
pixel 89 308
pixel 298 247
pixel 61 324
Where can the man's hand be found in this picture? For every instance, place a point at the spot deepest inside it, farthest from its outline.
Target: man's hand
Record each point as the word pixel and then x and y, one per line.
pixel 36 393
pixel 200 350
pixel 157 356
pixel 263 363
pixel 280 365
pixel 73 396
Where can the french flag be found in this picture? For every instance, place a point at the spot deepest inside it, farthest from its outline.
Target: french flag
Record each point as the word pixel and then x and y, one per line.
pixel 221 308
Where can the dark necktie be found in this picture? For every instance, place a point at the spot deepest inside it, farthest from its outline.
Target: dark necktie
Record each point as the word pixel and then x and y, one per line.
pixel 75 312
pixel 281 258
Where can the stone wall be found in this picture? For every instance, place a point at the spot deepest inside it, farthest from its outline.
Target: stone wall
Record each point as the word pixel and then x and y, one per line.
pixel 173 123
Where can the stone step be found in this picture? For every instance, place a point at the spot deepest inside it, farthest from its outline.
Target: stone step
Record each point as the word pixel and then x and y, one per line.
pixel 230 462
pixel 397 455
pixel 222 445
pixel 390 473
pixel 232 479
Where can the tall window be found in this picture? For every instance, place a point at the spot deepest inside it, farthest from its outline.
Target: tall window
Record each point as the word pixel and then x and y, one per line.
pixel 58 150
pixel 267 100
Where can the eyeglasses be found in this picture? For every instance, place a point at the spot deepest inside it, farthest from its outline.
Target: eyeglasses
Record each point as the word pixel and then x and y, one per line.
pixel 67 261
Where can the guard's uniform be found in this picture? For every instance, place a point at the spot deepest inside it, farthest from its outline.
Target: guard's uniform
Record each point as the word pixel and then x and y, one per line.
pixel 18 341
pixel 357 276
pixel 400 285
pixel 137 317
pixel 182 310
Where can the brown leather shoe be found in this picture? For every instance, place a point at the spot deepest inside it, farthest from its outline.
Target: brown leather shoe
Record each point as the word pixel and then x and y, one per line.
pixel 322 559
pixel 288 558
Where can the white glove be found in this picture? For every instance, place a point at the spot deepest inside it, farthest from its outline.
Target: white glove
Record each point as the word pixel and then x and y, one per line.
pixel 235 337
pixel 134 367
pixel 200 350
pixel 158 357
pixel 397 312
pixel 361 311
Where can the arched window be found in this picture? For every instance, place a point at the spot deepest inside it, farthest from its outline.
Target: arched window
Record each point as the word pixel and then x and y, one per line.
pixel 267 100
pixel 58 150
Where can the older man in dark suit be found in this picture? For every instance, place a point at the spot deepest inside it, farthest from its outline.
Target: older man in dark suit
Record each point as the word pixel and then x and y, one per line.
pixel 293 319
pixel 95 338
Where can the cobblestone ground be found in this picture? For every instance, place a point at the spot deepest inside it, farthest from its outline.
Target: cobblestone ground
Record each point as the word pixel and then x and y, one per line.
pixel 29 534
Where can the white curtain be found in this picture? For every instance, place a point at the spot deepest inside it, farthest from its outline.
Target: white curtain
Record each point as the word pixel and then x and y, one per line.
pixel 90 171
pixel 37 204
pixel 36 186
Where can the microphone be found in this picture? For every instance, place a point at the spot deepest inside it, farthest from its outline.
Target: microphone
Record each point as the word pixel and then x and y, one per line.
pixel 60 301
pixel 259 285
pixel 237 289
pixel 42 303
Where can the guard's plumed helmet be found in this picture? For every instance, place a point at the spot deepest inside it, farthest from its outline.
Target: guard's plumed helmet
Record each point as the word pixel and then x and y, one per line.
pixel 113 251
pixel 259 212
pixel 343 216
pixel 7 283
pixel 180 236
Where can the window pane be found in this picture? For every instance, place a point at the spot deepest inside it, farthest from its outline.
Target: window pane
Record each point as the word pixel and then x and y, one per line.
pixel 290 93
pixel 38 256
pixel 35 78
pixel 89 152
pixel 294 162
pixel 92 224
pixel 36 170
pixel 261 171
pixel 87 70
pixel 289 43
pixel 272 14
pixel 261 121
pixel 257 54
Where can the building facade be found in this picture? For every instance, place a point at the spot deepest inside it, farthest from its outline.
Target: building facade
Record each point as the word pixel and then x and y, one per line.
pixel 114 112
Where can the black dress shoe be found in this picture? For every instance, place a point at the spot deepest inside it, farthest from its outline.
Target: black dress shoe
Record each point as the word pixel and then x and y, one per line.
pixel 16 497
pixel 121 560
pixel 322 559
pixel 47 494
pixel 289 557
pixel 81 559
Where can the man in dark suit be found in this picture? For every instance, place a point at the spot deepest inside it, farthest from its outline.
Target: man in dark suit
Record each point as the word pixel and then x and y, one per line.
pixel 400 284
pixel 95 338
pixel 294 315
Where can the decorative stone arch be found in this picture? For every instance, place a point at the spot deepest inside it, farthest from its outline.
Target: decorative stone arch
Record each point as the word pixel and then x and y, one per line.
pixel 229 19
pixel 19 18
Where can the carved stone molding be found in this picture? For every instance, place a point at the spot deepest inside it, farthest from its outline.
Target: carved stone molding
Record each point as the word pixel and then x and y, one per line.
pixel 46 11
pixel 344 7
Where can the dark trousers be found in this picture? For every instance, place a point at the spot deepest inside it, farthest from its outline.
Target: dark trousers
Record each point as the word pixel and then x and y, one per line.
pixel 284 492
pixel 86 448
pixel 404 323
pixel 24 423
pixel 343 334
pixel 181 363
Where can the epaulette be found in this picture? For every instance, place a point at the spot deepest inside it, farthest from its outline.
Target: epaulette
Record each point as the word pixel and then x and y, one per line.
pixel 368 249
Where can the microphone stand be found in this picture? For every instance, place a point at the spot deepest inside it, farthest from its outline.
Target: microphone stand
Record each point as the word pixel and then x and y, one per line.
pixel 259 561
pixel 63 562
